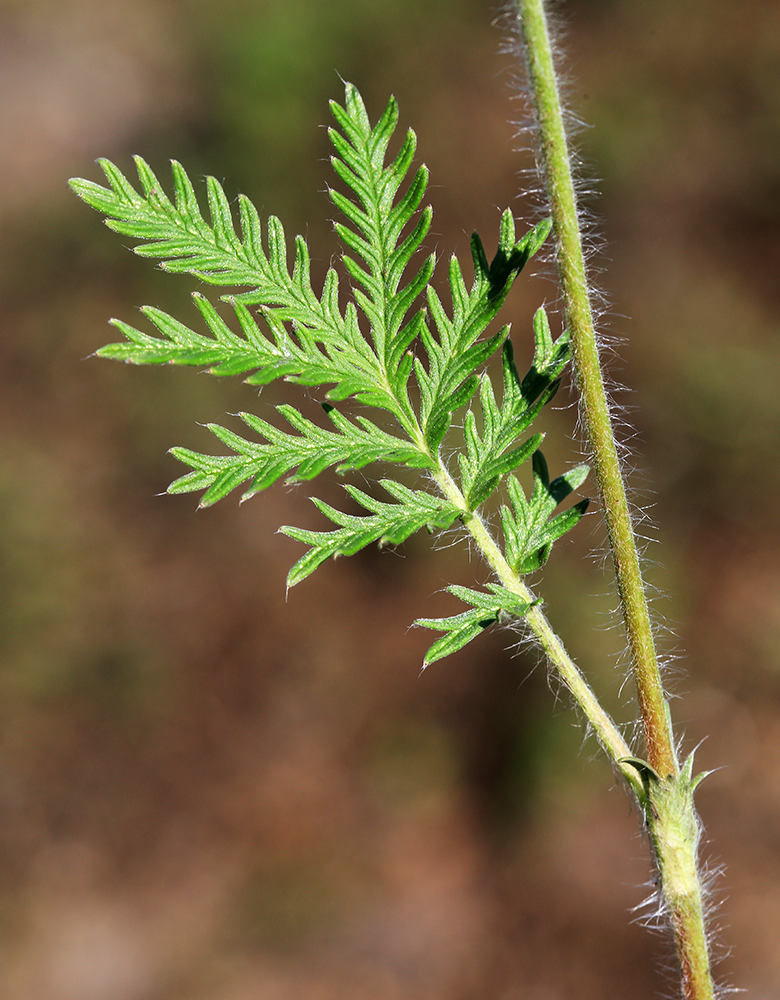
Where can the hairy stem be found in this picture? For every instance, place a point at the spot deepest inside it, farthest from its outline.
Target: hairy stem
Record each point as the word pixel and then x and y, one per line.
pixel 669 797
pixel 595 409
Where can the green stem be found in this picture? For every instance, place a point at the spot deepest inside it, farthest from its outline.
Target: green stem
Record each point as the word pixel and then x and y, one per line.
pixel 668 796
pixel 674 832
pixel 595 409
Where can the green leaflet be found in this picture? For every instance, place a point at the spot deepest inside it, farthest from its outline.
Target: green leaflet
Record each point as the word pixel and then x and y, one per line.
pixel 310 452
pixel 388 523
pixel 529 527
pixel 486 609
pixel 390 344
pixel 449 382
pixel 224 353
pixel 377 224
pixel 494 452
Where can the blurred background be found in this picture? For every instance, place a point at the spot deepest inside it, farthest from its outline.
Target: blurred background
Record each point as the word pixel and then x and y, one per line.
pixel 212 791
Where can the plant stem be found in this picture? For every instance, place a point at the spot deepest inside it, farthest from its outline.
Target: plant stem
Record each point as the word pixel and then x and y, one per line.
pixel 571 265
pixel 602 724
pixel 668 798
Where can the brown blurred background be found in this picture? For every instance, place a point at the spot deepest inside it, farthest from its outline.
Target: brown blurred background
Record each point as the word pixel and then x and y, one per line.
pixel 211 792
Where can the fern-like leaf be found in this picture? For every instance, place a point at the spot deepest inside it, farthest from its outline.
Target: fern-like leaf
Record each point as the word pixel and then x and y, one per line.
pixel 529 526
pixel 485 610
pixel 312 450
pixel 179 236
pixel 388 523
pixel 224 353
pixel 176 232
pixel 376 227
pixel 448 382
pixel 493 453
pixel 362 351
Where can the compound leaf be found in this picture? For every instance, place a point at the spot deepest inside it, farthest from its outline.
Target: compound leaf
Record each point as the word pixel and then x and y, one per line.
pixel 365 350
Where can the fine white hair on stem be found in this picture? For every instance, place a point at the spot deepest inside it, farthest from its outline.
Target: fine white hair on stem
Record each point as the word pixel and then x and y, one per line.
pixel 586 189
pixel 639 494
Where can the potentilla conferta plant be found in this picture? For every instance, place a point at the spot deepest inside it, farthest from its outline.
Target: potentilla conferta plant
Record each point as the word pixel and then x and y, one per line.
pixel 416 366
